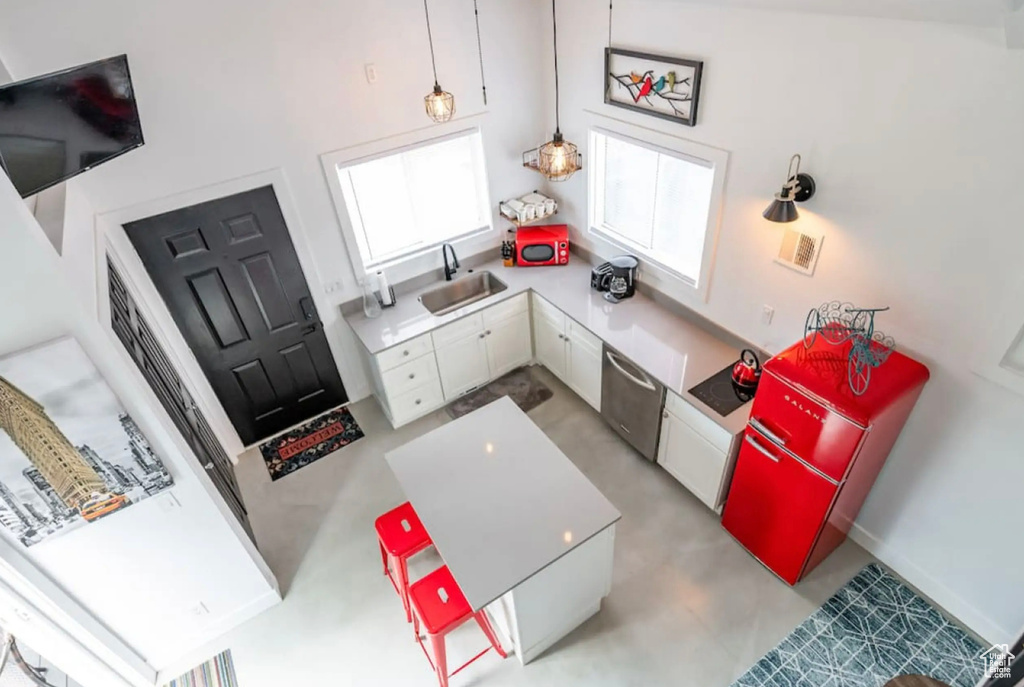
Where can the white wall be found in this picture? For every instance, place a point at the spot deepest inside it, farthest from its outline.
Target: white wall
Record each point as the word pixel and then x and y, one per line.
pixel 228 89
pixel 912 131
pixel 140 573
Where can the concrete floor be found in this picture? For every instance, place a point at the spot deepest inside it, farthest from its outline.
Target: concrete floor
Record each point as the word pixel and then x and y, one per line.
pixel 688 605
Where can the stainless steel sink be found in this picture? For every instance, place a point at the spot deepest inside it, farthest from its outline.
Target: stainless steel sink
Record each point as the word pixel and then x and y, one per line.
pixel 462 292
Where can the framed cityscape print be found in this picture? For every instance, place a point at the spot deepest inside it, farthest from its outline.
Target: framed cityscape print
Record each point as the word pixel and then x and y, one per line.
pixel 69 452
pixel 666 87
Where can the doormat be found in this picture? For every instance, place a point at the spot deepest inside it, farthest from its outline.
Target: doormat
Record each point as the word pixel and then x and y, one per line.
pixel 872 630
pixel 302 446
pixel 520 385
pixel 219 671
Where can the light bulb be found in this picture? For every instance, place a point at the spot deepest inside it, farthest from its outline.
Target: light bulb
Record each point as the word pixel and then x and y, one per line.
pixel 559 160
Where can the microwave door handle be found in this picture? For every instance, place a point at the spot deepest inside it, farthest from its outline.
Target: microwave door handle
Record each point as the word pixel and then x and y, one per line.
pixel 761 449
pixel 643 383
pixel 770 435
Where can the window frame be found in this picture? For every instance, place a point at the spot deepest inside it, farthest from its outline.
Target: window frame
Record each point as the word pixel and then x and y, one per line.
pixel 674 146
pixel 404 264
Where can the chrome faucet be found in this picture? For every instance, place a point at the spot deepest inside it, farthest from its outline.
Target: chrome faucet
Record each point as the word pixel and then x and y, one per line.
pixel 449 269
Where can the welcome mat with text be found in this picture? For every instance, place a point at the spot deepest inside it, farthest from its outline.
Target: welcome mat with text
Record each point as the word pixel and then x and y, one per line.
pixel 288 452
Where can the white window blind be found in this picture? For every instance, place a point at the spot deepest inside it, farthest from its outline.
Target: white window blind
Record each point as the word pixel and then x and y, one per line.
pixel 408 201
pixel 652 201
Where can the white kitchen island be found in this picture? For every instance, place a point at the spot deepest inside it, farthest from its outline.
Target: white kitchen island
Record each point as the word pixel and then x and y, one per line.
pixel 523 531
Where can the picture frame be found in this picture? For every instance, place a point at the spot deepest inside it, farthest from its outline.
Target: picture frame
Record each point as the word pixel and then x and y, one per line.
pixel 657 85
pixel 70 454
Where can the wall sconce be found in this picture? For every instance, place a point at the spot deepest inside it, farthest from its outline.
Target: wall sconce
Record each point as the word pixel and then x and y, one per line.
pixel 798 187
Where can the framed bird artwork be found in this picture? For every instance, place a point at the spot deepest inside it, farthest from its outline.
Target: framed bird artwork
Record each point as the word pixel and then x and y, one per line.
pixel 666 87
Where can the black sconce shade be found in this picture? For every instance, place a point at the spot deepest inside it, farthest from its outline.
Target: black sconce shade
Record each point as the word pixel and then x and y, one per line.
pixel 798 188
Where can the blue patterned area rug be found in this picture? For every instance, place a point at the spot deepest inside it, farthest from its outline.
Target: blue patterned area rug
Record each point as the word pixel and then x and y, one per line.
pixel 304 445
pixel 870 631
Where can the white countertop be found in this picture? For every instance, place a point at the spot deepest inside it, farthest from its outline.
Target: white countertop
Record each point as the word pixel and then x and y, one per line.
pixel 678 353
pixel 500 501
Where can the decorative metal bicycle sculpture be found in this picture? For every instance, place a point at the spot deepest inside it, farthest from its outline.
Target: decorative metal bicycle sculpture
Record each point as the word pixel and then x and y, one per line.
pixel 838 323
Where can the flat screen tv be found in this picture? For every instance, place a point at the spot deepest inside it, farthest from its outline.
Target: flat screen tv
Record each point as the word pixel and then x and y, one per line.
pixel 56 126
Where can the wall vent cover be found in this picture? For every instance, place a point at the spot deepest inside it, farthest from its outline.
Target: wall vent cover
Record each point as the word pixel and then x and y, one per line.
pixel 799 251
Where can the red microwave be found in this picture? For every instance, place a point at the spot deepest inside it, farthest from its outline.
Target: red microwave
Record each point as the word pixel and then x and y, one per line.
pixel 547 245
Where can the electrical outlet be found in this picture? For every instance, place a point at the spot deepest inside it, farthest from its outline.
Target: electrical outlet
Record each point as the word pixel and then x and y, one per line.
pixel 371 72
pixel 767 313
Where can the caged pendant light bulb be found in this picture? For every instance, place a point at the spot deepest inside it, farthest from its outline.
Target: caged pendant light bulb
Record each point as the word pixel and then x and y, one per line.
pixel 557 159
pixel 440 104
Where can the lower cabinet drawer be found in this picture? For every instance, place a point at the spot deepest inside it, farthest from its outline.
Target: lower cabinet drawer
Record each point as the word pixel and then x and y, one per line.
pixel 409 376
pixel 412 404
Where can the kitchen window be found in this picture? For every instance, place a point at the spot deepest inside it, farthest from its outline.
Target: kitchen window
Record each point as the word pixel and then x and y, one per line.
pixel 403 202
pixel 658 198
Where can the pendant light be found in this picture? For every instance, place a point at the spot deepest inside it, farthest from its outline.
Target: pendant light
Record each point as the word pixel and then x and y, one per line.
pixel 440 104
pixel 798 188
pixel 557 159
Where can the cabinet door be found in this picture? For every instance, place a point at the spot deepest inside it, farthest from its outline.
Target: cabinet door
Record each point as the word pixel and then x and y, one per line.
pixel 462 365
pixel 776 506
pixel 584 370
pixel 508 344
pixel 691 459
pixel 550 340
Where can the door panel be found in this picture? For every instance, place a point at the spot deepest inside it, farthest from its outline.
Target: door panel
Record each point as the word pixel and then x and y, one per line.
pixel 776 506
pixel 691 459
pixel 550 343
pixel 265 285
pixel 509 345
pixel 217 308
pixel 230 277
pixel 819 436
pixel 462 365
pixel 584 370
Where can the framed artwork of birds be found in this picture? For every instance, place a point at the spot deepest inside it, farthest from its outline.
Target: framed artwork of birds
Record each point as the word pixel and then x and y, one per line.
pixel 666 87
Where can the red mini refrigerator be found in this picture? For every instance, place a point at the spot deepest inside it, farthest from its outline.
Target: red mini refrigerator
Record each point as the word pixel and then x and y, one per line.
pixel 811 452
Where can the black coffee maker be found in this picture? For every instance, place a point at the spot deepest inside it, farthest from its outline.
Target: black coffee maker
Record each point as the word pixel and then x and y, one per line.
pixel 618 278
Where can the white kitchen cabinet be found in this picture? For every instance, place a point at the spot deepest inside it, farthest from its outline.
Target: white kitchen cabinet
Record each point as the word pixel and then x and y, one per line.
pixel 696 451
pixel 405 380
pixel 583 363
pixel 549 337
pixel 483 346
pixel 508 344
pixel 550 343
pixel 462 364
pixel 568 350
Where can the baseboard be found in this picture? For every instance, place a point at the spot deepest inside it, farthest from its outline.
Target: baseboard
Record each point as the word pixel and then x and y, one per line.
pixel 949 600
pixel 188 659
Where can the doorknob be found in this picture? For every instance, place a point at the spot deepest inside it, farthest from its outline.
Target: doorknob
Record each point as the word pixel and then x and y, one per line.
pixel 308 311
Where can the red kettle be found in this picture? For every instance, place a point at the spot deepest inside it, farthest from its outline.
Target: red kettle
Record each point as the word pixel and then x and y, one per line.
pixel 746 373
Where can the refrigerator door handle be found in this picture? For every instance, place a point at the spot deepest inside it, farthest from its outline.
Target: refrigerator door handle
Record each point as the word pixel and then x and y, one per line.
pixel 760 427
pixel 750 440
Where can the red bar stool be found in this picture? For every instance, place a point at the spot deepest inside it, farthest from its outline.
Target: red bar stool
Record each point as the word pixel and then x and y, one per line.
pixel 401 536
pixel 439 604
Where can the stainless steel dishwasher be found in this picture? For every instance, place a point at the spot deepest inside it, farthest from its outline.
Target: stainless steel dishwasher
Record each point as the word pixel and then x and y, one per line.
pixel 631 402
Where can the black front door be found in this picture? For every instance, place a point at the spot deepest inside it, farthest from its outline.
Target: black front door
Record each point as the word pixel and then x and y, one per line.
pixel 228 272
